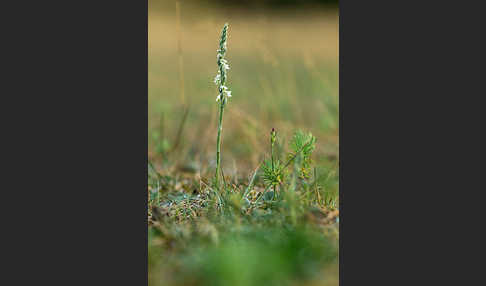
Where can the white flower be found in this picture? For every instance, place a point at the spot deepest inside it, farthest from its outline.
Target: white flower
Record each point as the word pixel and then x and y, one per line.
pixel 222 89
pixel 223 93
pixel 217 79
pixel 223 66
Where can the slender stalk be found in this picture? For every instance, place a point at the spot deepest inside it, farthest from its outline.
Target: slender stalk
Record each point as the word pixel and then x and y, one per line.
pixel 273 136
pixel 218 143
pixel 296 153
pixel 271 147
pixel 224 94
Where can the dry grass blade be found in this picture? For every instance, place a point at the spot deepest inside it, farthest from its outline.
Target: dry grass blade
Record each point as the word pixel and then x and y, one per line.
pixel 181 128
pixel 251 181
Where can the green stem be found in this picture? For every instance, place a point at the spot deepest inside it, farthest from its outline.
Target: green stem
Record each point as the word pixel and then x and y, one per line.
pixel 218 143
pixel 296 153
pixel 273 169
pixel 271 150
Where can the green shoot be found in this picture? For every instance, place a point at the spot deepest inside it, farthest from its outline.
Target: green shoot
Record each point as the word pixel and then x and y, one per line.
pixel 223 95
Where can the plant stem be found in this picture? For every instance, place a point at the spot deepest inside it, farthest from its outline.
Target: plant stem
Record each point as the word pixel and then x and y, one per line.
pixel 296 153
pixel 273 168
pixel 218 143
pixel 271 150
pixel 222 97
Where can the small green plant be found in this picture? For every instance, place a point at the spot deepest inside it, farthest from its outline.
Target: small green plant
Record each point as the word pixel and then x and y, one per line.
pixel 301 145
pixel 273 170
pixel 224 94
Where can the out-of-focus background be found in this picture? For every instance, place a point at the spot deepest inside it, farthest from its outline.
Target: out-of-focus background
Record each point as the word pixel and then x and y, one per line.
pixel 284 74
pixel 283 56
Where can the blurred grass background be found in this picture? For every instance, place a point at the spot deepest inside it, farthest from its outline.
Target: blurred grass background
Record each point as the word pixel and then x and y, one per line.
pixel 284 74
